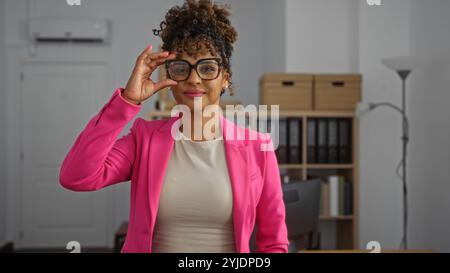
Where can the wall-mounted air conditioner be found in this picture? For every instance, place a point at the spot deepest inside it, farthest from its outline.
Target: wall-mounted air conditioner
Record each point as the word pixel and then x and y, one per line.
pixel 60 30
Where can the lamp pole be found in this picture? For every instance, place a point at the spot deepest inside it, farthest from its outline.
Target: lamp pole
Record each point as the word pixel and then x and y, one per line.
pixel 405 139
pixel 403 65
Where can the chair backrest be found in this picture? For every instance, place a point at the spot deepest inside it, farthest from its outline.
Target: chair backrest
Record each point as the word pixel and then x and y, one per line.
pixel 302 202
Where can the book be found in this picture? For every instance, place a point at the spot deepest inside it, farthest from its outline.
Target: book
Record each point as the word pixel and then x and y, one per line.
pixel 334 195
pixel 348 201
pixel 325 199
pixel 342 196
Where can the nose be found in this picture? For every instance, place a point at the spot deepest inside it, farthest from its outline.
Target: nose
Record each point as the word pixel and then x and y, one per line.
pixel 194 78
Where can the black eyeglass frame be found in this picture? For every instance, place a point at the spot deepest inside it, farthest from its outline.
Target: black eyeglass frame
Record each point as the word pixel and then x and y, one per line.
pixel 194 66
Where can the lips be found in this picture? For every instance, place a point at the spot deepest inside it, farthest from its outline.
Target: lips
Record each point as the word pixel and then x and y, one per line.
pixel 194 93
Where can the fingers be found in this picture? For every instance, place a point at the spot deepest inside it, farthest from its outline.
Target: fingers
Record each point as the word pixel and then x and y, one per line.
pixel 159 61
pixel 164 83
pixel 147 51
pixel 147 69
pixel 147 62
pixel 147 56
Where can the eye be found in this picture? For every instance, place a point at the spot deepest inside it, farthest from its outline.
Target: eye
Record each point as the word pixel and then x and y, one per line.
pixel 208 68
pixel 179 68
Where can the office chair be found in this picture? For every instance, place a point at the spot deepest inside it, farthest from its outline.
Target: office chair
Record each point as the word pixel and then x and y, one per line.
pixel 302 202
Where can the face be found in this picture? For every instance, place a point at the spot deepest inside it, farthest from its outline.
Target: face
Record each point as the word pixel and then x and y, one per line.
pixel 209 89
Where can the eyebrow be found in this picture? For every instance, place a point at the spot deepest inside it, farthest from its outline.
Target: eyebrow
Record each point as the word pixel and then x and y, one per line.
pixel 179 59
pixel 209 59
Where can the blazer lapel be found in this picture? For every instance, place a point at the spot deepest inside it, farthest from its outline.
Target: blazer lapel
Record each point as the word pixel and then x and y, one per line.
pixel 160 150
pixel 237 157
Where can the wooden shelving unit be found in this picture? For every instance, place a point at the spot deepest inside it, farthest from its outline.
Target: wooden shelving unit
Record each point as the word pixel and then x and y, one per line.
pixel 346 225
pixel 316 96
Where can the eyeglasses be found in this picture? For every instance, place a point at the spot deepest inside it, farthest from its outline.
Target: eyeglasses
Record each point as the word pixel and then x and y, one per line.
pixel 180 70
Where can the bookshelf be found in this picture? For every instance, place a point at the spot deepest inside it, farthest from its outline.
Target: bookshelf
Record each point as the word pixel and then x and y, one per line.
pixel 346 226
pixel 313 97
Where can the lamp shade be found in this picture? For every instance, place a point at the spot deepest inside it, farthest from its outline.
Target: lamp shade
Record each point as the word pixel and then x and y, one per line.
pixel 402 63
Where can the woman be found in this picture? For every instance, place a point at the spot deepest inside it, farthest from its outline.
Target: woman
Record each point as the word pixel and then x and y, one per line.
pixel 188 194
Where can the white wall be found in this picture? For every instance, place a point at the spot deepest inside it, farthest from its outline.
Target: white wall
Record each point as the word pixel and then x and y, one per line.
pixel 246 61
pixel 418 29
pixel 384 32
pixel 322 36
pixel 2 129
pixel 274 36
pixel 430 96
pixel 350 36
pixel 260 47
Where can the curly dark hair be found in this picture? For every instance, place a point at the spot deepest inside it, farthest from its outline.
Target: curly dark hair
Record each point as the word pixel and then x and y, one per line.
pixel 199 26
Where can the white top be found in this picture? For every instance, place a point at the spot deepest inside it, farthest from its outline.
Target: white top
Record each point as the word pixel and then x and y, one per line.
pixel 196 201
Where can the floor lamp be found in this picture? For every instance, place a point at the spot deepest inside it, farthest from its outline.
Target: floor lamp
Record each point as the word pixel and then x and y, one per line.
pixel 403 67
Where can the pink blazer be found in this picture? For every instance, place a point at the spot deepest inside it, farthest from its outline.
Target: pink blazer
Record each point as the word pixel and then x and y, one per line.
pixel 98 159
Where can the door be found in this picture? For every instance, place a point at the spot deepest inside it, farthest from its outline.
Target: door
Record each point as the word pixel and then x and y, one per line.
pixel 58 99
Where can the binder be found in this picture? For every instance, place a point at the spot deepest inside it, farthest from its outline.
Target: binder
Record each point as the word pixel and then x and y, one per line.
pixel 281 152
pixel 268 128
pixel 322 141
pixel 332 141
pixel 294 143
pixel 311 151
pixel 344 141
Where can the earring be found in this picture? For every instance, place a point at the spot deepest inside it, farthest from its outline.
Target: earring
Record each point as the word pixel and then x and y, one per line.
pixel 223 90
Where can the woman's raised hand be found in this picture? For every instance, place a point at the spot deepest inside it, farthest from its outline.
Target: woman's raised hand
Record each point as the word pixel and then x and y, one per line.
pixel 140 86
